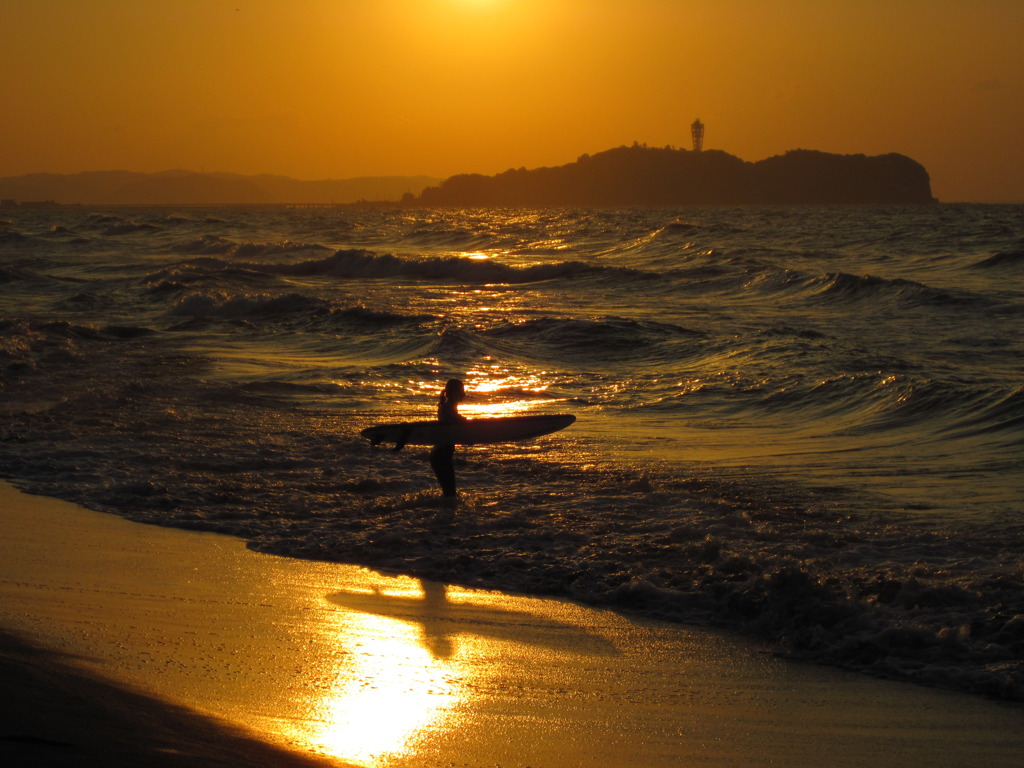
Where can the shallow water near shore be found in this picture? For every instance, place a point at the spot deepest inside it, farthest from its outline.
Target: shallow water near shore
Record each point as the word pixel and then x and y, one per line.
pixel 803 423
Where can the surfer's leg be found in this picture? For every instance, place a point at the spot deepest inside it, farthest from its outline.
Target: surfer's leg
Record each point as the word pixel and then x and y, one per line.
pixel 442 459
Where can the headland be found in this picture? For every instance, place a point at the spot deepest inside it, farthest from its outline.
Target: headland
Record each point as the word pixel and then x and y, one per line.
pixel 649 176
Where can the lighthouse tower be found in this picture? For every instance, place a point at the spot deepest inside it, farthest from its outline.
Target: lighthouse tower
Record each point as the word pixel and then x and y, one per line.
pixel 697 131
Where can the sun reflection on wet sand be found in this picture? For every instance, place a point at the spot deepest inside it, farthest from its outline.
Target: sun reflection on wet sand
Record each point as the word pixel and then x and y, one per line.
pixel 390 688
pixel 409 665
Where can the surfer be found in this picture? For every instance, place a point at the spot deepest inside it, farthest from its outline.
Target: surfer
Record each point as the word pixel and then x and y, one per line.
pixel 451 429
pixel 442 457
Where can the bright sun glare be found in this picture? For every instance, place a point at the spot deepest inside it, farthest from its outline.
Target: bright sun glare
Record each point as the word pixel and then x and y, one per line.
pixel 390 690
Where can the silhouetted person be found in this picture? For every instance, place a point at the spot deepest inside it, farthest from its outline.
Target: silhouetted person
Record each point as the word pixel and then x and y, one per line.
pixel 442 457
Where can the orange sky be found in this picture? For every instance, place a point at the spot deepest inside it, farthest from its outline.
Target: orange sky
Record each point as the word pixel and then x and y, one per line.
pixel 342 88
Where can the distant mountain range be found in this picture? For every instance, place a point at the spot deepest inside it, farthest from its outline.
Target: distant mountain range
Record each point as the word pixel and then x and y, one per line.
pixel 649 176
pixel 191 188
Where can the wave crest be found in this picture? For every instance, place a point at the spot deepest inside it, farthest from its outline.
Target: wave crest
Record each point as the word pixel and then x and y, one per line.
pixel 218 304
pixel 1001 260
pixel 362 264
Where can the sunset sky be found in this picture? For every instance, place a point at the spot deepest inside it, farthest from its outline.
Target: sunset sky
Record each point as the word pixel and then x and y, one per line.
pixel 341 88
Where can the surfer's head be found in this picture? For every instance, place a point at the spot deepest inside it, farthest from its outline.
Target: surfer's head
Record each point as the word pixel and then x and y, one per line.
pixel 454 390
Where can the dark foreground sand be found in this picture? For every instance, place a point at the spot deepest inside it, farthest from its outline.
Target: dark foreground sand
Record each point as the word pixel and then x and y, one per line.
pixel 53 713
pixel 133 645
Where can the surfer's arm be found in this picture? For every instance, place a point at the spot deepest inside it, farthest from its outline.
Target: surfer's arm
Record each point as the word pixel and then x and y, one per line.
pixel 400 442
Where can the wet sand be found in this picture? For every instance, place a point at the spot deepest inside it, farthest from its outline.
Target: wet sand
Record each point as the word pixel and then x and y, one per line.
pixel 188 647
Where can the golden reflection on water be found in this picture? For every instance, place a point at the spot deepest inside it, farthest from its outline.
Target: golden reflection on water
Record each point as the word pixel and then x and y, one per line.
pixel 495 390
pixel 397 679
pixel 506 408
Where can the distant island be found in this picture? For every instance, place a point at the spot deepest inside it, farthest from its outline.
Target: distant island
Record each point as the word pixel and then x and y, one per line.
pixel 647 176
pixel 637 175
pixel 193 188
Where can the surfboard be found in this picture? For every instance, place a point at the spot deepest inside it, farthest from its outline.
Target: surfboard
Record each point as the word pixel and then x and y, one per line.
pixel 469 432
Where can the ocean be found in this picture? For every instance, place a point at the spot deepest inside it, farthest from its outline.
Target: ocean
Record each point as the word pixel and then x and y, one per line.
pixel 804 424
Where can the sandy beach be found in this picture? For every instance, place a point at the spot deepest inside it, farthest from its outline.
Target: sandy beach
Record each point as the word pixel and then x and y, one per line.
pixel 129 644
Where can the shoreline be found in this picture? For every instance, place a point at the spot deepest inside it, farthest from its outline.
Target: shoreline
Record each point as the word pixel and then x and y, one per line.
pixel 347 665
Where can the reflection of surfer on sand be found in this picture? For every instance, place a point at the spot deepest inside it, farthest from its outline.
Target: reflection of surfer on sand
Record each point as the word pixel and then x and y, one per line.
pixel 442 457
